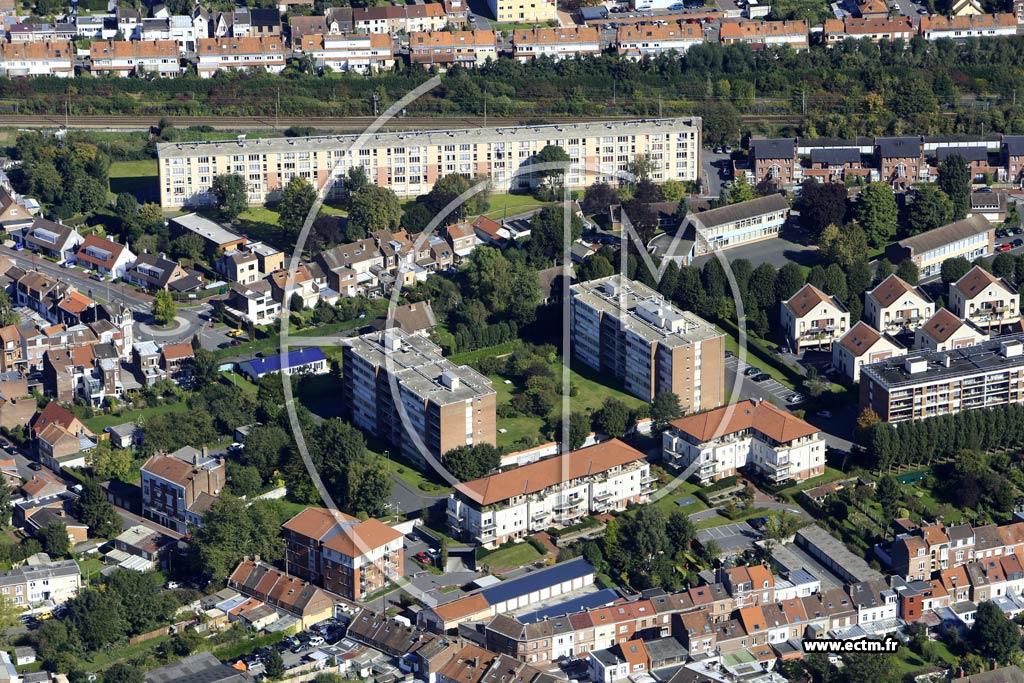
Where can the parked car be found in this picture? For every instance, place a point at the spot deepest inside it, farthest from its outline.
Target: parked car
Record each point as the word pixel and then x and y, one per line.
pixel 34 466
pixel 97 277
pixel 794 398
pixel 1017 242
pixel 764 376
pixel 729 354
pixel 1001 232
pixel 751 371
pixel 422 557
pixel 1005 246
pixel 316 641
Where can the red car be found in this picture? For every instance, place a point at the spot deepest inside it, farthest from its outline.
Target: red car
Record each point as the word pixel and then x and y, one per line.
pixel 1005 246
pixel 423 557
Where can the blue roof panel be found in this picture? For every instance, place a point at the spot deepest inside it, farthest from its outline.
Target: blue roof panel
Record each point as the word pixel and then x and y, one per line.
pixel 260 366
pixel 600 598
pixel 535 581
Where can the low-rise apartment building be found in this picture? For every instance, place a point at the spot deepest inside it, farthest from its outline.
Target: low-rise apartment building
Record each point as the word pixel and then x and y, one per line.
pixel 343 555
pixel 792 33
pixel 811 319
pixel 862 344
pixel 736 224
pixel 775 161
pixel 443 405
pixel 358 52
pixel 631 332
pixel 216 54
pixel 968 26
pixel 970 238
pixel 524 11
pixel 637 41
pixel 895 306
pixel 932 383
pixel 557 491
pixel 871 28
pixel 988 302
pixel 135 57
pixel 779 446
pixel 900 160
pixel 448 48
pixel 178 488
pixel 56 58
pixel 944 331
pixel 33 584
pixel 556 43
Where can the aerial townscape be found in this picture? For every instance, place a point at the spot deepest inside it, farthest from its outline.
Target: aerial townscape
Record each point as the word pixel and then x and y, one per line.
pixel 511 341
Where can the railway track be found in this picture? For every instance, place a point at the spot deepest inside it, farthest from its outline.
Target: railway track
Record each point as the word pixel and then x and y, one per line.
pixel 326 123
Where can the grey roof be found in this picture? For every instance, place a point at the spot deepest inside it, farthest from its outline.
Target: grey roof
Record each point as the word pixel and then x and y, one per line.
pixel 835 155
pixel 969 153
pixel 737 212
pixel 1008 674
pixel 1014 144
pixel 982 358
pixel 773 148
pixel 267 18
pixel 816 537
pixel 947 234
pixel 199 668
pixel 146 348
pixel 38 572
pixel 124 431
pixel 664 649
pixel 988 201
pixel 205 228
pixel 899 147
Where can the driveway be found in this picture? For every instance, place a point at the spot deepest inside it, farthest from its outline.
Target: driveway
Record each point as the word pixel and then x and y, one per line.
pixel 778 251
pixel 731 538
pixel 717 168
pixel 769 390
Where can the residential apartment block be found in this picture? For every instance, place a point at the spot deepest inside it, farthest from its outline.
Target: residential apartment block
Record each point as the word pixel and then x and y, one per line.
pixel 411 162
pixel 736 224
pixel 971 237
pixel 779 446
pixel 448 48
pixel 216 54
pixel 445 405
pixel 32 584
pixel 343 555
pixel 556 43
pixel 895 306
pixel 990 303
pixel 862 344
pixel 524 11
pixel 811 319
pixel 560 491
pixel 178 488
pixel 933 383
pixel 631 332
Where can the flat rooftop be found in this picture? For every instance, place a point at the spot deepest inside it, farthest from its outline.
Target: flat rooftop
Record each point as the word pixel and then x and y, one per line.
pixel 644 311
pixel 429 137
pixel 418 365
pixel 984 358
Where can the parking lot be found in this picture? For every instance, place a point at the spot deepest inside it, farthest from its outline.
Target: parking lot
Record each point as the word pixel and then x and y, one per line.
pixel 778 251
pixel 731 538
pixel 770 388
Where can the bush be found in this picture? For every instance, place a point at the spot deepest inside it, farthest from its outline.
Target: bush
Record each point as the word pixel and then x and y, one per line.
pixel 537 545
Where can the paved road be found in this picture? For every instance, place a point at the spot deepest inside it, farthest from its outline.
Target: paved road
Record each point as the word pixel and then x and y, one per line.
pixel 717 168
pixel 405 498
pixel 770 389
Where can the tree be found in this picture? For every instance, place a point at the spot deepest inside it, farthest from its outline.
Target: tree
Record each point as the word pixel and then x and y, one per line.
pixel 993 636
pixel 111 463
pixel 124 673
pixel 507 288
pixel 877 213
pixel 55 539
pixel 126 206
pixel 612 418
pixel 231 195
pixel 875 667
pixel 297 199
pixel 244 480
pixel 598 197
pixel 6 500
pixel 7 313
pixel 673 191
pixel 680 531
pixel 642 217
pixel 231 530
pixel 822 204
pixel 741 191
pixel 552 154
pixel 843 246
pixel 185 642
pixel 954 268
pixel 579 430
pixel 164 308
pixel 355 180
pixel 955 181
pixel 547 234
pixel 665 408
pixel 931 207
pixel 1004 265
pixel 96 511
pixel 790 280
pixel 908 272
pixel 204 367
pixel 889 495
pixel 472 462
pixel 273 664
pixel 189 246
pixel 373 208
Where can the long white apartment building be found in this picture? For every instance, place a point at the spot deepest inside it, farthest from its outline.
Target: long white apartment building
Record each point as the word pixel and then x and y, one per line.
pixel 754 433
pixel 556 491
pixel 557 43
pixel 628 330
pixel 447 405
pixel 411 162
pixel 359 52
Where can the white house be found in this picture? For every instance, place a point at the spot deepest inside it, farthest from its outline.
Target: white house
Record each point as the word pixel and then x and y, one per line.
pixel 55 58
pixel 813 319
pixel 135 57
pixel 359 52
pixel 267 53
pixel 944 331
pixel 981 298
pixel 556 43
pixel 896 306
pixel 863 344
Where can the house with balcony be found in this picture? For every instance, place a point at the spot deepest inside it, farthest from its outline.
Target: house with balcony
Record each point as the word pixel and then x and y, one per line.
pixel 446 48
pixel 355 52
pixel 178 488
pixel 944 331
pixel 990 303
pixel 895 306
pixel 812 319
pixel 776 444
pixel 863 344
pixel 556 491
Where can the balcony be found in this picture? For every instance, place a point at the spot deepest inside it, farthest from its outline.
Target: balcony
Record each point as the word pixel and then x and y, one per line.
pixel 487 525
pixel 602 496
pixel 564 505
pixel 648 479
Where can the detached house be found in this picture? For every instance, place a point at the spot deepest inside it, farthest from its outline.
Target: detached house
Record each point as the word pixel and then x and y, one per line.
pixel 894 306
pixel 863 344
pixel 54 240
pixel 944 331
pixel 104 256
pixel 177 489
pixel 155 271
pixel 981 298
pixel 813 319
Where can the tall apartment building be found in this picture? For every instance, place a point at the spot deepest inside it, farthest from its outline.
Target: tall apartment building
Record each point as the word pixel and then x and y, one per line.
pixel 178 488
pixel 338 552
pixel 933 383
pixel 448 405
pixel 411 162
pixel 628 330
pixel 555 491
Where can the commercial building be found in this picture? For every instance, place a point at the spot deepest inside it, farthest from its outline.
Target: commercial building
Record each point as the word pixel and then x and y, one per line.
pixel 629 331
pixel 862 344
pixel 559 491
pixel 780 446
pixel 178 488
pixel 345 556
pixel 411 162
pixel 984 300
pixel 812 319
pixel 942 382
pixel 447 405
pixel 737 224
pixel 895 306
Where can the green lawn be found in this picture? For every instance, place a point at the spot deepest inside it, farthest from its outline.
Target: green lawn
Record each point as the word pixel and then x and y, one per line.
pixel 101 422
pixel 490 351
pixel 685 489
pixel 512 557
pixel 427 482
pixel 511 204
pixel 136 177
pixel 272 343
pixel 831 474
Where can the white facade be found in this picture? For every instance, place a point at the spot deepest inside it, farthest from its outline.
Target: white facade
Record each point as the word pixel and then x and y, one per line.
pixel 361 53
pixel 31 585
pixel 812 319
pixel 984 300
pixel 944 331
pixel 895 306
pixel 862 345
